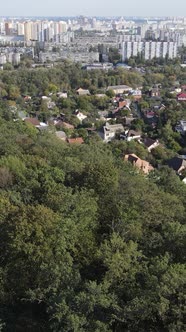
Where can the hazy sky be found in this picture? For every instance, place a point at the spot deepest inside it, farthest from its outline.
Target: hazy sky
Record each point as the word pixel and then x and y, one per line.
pixel 93 8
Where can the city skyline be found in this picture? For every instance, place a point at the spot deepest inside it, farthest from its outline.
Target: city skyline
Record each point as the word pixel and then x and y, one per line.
pixel 93 8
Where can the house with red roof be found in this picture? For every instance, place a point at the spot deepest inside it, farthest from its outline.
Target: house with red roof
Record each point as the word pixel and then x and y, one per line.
pixel 143 165
pixel 77 140
pixel 181 96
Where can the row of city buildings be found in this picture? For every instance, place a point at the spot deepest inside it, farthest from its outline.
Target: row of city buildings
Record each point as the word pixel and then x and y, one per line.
pixel 34 30
pixel 129 30
pixel 13 58
pixel 149 49
pixel 83 39
pixel 12 55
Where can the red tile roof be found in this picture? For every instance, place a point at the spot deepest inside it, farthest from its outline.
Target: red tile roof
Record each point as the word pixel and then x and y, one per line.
pixel 78 140
pixel 181 95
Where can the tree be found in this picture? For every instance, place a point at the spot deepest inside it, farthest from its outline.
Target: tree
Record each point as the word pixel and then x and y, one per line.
pixel 3 93
pixel 96 245
pixel 52 88
pixel 169 137
pixel 13 92
pixel 110 93
pixel 114 55
pixel 43 107
pixel 8 66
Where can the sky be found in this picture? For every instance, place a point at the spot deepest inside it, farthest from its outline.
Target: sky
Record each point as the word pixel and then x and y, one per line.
pixel 93 8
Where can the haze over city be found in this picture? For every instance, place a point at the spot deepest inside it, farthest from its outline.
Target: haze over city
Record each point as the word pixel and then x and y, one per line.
pixel 93 8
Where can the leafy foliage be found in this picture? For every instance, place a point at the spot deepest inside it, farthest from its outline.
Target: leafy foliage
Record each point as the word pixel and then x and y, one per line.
pixel 87 243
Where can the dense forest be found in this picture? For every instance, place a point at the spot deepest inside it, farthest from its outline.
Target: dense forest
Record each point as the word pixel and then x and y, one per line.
pixel 88 244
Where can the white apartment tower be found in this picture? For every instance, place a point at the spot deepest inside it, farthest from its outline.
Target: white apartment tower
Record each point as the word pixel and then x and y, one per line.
pixel 149 49
pixel 146 51
pixel 28 31
pixel 20 29
pixel 62 27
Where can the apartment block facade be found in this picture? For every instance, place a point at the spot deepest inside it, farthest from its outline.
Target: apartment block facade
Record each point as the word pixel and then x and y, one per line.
pixel 149 49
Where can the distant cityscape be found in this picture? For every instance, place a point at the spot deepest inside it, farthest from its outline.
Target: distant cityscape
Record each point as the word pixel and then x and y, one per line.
pixel 88 39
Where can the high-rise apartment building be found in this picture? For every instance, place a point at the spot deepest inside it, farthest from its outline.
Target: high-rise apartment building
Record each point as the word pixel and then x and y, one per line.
pixel 149 49
pixel 146 50
pixel 62 27
pixel 2 59
pixel 158 50
pixel 34 31
pixel 20 29
pixel 7 28
pixel 28 30
pixel 16 59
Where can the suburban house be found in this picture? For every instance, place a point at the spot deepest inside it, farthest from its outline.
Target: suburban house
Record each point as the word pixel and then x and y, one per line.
pixel 110 131
pixel 82 92
pixel 62 95
pixel 155 92
pixel 33 121
pixel 136 94
pixel 149 114
pixel 149 143
pixel 77 140
pixel 178 164
pixel 151 118
pixel 64 125
pixel 141 164
pixel 132 134
pixel 80 116
pixel 36 123
pixel 181 96
pixel 120 102
pixel 181 127
pixel 119 88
